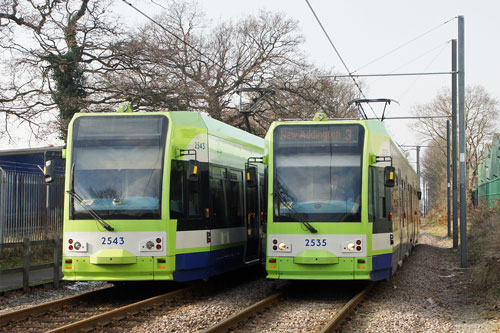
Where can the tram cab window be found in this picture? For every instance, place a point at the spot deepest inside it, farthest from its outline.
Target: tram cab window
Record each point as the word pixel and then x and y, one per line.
pixel 318 173
pixel 117 166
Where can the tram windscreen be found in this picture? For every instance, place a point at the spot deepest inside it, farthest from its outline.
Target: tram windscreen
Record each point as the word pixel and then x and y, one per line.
pixel 117 166
pixel 317 173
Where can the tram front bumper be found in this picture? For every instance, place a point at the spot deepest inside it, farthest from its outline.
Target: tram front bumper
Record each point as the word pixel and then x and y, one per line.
pixel 345 268
pixel 92 269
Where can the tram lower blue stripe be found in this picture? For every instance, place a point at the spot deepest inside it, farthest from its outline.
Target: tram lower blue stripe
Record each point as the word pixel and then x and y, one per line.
pixel 201 265
pixel 381 267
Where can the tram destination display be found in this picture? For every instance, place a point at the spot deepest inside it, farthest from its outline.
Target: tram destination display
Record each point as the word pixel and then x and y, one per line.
pixel 314 135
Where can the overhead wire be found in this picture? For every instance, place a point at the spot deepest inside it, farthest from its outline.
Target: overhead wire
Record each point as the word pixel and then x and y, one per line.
pixel 178 38
pixel 226 70
pixel 175 36
pixel 158 4
pixel 404 44
pixel 441 46
pixel 340 57
pixel 416 79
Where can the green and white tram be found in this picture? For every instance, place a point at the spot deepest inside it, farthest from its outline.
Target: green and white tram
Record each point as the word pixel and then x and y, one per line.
pixel 343 201
pixel 159 196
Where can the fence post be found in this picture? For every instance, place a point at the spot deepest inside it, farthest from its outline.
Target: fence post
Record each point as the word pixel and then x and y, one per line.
pixel 3 203
pixel 26 267
pixel 47 210
pixel 57 258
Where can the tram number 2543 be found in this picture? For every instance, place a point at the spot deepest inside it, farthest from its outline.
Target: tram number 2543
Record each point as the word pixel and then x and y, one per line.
pixel 112 240
pixel 315 242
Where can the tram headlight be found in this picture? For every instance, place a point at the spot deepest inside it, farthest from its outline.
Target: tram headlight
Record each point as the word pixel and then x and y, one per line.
pixel 351 246
pixel 282 246
pixel 78 246
pixel 150 245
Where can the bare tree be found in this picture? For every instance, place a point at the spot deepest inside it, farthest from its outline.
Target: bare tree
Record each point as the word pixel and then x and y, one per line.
pixel 210 64
pixel 64 56
pixel 186 64
pixel 481 115
pixel 55 51
pixel 300 93
pixel 434 172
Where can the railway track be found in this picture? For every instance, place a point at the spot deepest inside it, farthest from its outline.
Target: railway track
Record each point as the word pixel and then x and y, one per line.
pixel 86 311
pixel 117 308
pixel 268 313
pixel 114 309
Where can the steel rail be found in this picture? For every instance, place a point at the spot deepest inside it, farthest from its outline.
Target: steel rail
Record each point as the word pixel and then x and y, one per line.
pixel 9 317
pixel 337 319
pixel 240 316
pixel 90 323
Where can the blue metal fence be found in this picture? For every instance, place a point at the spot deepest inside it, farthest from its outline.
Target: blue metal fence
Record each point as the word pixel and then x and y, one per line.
pixel 29 207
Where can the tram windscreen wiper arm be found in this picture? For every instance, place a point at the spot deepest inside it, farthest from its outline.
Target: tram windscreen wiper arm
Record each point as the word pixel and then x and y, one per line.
pixel 295 214
pixel 92 212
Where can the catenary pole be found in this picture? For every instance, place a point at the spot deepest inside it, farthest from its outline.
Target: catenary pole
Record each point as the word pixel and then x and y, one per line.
pixel 425 199
pixel 428 199
pixel 454 141
pixel 418 173
pixel 448 185
pixel 461 113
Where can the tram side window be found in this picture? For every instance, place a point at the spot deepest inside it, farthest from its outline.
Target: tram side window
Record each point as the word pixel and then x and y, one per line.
pixel 193 208
pixel 219 194
pixel 218 197
pixel 236 198
pixel 379 201
pixel 376 199
pixel 263 197
pixel 176 190
pixel 410 209
pixel 184 195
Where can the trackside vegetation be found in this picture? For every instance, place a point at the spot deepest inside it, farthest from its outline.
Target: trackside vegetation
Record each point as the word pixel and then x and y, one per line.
pixel 484 248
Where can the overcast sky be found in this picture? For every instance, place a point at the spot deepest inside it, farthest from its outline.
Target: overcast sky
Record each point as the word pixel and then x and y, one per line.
pixel 365 30
pixel 362 31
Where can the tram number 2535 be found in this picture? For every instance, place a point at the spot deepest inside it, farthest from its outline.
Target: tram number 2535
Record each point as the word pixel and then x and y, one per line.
pixel 315 242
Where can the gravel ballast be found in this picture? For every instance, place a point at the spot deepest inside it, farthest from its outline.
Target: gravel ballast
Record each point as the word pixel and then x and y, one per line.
pixel 430 293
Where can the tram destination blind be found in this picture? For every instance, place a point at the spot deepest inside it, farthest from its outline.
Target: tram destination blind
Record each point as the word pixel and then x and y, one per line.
pixel 317 135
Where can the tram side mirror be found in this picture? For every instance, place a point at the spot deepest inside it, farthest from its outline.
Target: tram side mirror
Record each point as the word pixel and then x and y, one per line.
pixel 251 176
pixel 49 171
pixel 389 176
pixel 419 195
pixel 193 169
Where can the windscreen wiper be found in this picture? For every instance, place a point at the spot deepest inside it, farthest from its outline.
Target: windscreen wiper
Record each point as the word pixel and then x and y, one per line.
pixel 296 214
pixel 92 212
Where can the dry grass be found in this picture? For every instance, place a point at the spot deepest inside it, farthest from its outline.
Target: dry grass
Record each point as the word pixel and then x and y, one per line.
pixel 13 258
pixel 484 247
pixel 483 244
pixel 436 223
